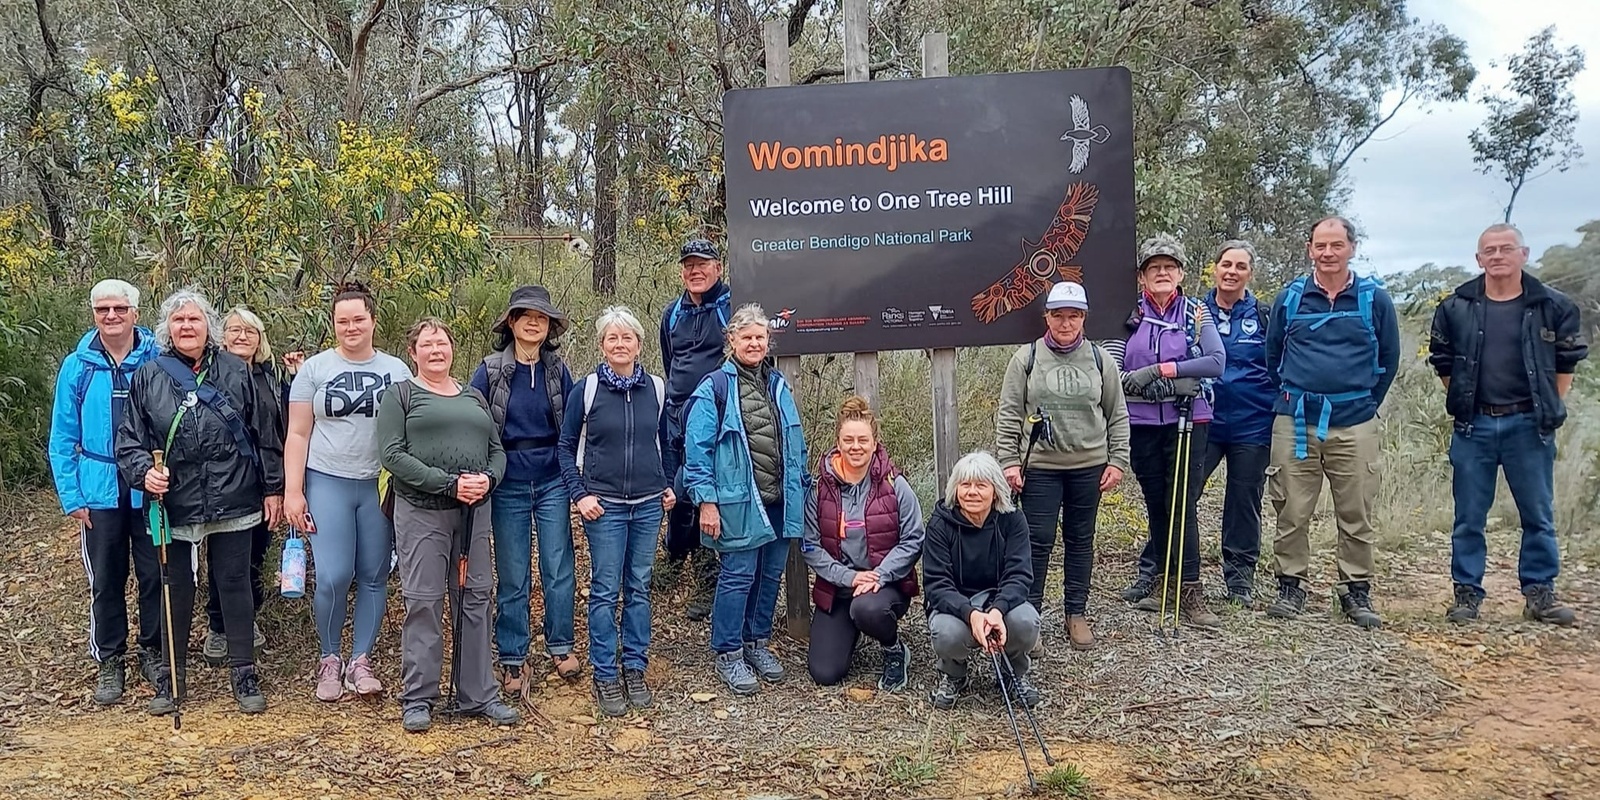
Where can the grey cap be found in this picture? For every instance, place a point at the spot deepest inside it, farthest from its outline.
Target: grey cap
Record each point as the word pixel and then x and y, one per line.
pixel 1162 244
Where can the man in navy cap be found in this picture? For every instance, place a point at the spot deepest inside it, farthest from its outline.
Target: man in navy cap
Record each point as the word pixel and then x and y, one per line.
pixel 692 346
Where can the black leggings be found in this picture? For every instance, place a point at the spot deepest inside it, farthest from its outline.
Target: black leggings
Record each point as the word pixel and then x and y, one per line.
pixel 260 540
pixel 230 569
pixel 834 632
pixel 1154 454
pixel 1068 499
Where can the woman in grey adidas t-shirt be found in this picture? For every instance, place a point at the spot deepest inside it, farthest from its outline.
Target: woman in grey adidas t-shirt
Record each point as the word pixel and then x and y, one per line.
pixel 331 488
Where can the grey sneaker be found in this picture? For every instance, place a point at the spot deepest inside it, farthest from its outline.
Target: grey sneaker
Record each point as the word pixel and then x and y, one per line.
pixel 149 665
pixel 1023 690
pixel 1465 607
pixel 168 696
pixel 110 682
pixel 895 675
pixel 216 648
pixel 761 659
pixel 733 671
pixel 636 689
pixel 417 718
pixel 608 695
pixel 247 690
pixel 497 713
pixel 1356 602
pixel 945 695
pixel 1291 602
pixel 1542 606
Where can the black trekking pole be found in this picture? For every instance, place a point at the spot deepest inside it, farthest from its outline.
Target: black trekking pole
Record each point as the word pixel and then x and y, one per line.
pixel 1010 685
pixel 161 535
pixel 453 699
pixel 1176 519
pixel 1039 428
pixel 998 655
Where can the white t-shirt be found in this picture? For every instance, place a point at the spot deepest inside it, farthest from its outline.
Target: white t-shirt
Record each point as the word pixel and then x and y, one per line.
pixel 344 399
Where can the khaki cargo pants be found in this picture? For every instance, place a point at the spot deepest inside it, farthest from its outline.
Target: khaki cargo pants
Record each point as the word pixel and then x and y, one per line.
pixel 1348 459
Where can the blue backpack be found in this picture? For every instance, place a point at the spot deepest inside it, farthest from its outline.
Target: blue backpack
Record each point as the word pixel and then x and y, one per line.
pixel 677 313
pixel 1366 287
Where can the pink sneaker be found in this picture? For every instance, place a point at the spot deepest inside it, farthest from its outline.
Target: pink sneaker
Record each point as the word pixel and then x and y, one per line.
pixel 329 690
pixel 358 677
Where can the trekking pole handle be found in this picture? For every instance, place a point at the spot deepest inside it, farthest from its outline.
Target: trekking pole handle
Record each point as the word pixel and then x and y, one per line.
pixel 160 458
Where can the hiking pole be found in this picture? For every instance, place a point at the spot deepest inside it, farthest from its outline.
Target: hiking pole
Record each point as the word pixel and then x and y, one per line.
pixel 1173 511
pixel 1185 408
pixel 1038 427
pixel 998 655
pixel 1033 719
pixel 161 534
pixel 452 704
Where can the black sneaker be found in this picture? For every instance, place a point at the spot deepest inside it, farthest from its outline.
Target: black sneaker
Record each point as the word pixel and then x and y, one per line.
pixel 1356 602
pixel 1139 589
pixel 636 689
pixel 247 690
pixel 609 696
pixel 895 674
pixel 110 682
pixel 149 664
pixel 1542 606
pixel 1023 691
pixel 1291 602
pixel 1465 607
pixel 945 695
pixel 166 700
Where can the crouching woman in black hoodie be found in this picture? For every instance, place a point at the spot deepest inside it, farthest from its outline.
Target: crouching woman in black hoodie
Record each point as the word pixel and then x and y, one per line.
pixel 977 565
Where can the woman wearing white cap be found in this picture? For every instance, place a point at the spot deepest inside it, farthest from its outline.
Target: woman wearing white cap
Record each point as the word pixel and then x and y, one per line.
pixel 1062 437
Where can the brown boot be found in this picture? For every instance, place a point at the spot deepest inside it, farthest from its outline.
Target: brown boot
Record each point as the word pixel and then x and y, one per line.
pixel 1192 600
pixel 1079 632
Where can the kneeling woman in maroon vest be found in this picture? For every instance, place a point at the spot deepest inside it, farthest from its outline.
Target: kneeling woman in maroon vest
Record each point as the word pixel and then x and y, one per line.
pixel 863 538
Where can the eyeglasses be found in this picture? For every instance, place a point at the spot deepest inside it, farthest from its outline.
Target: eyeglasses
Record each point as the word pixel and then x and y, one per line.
pixel 1163 268
pixel 1504 249
pixel 107 311
pixel 236 330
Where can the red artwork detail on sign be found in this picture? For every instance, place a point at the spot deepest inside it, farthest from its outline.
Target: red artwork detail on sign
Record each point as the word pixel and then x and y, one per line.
pixel 1046 260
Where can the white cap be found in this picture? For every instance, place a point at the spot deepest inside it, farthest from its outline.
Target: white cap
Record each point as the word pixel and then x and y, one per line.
pixel 1067 294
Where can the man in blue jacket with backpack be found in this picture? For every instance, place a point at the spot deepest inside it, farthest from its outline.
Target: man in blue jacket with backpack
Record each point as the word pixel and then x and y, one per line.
pixel 692 341
pixel 1333 345
pixel 91 394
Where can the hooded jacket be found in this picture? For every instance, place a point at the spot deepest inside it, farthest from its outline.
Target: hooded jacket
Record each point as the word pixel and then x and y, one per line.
pixel 960 559
pixel 211 481
pixel 83 422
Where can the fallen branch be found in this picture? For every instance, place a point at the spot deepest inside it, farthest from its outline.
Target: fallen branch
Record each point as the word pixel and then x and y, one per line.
pixel 291 744
pixel 1159 703
pixel 486 743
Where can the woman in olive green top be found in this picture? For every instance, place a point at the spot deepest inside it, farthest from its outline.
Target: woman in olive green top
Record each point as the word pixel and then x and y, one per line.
pixel 443 453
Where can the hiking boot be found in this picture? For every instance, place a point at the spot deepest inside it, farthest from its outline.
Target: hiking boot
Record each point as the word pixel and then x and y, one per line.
pixel 734 672
pixel 329 686
pixel 1465 607
pixel 945 695
pixel 1356 603
pixel 497 713
pixel 1079 634
pixel 761 659
pixel 512 680
pixel 636 689
pixel 1542 606
pixel 358 676
pixel 1291 602
pixel 895 674
pixel 1139 589
pixel 1192 606
pixel 1023 691
pixel 215 649
pixel 417 718
pixel 167 696
pixel 247 690
pixel 1241 597
pixel 149 664
pixel 111 681
pixel 608 695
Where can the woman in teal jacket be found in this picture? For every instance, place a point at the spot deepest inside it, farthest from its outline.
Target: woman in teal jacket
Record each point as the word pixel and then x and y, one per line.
pixel 745 468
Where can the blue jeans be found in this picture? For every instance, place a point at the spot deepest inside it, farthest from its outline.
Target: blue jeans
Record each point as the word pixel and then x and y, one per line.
pixel 1477 453
pixel 747 594
pixel 622 554
pixel 518 506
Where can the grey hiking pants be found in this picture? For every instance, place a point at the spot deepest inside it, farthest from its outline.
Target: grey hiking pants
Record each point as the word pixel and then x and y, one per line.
pixel 953 640
pixel 423 541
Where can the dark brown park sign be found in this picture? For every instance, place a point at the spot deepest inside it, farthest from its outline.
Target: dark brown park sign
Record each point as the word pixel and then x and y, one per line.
pixel 909 214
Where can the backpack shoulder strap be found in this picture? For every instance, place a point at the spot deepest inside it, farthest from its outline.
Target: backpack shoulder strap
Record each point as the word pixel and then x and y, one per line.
pixel 722 314
pixel 675 314
pixel 1099 365
pixel 1291 300
pixel 661 395
pixel 213 399
pixel 719 392
pixel 402 393
pixel 591 384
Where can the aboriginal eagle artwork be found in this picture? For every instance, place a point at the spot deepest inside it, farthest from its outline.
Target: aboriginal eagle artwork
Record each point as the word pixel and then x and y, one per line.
pixel 1044 262
pixel 1082 134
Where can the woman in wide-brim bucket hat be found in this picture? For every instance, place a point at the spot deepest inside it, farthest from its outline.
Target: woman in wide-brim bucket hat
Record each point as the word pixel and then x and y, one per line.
pixel 526 384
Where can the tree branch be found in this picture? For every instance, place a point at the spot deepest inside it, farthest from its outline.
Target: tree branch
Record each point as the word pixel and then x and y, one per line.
pixel 834 72
pixel 315 34
pixel 359 43
pixel 440 90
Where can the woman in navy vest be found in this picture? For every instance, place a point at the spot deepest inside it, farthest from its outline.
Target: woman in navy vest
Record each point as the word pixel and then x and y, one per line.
pixel 1241 424
pixel 863 538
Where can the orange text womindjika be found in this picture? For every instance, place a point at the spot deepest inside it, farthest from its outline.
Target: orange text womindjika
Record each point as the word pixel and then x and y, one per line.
pixel 888 151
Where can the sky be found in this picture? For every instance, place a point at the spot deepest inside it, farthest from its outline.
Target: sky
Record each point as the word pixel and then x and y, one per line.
pixel 1416 194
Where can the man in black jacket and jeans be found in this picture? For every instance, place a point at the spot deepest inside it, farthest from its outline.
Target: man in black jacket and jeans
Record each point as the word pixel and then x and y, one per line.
pixel 1506 346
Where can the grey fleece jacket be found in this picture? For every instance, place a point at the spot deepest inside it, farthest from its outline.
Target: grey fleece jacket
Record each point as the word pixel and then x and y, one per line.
pixel 895 566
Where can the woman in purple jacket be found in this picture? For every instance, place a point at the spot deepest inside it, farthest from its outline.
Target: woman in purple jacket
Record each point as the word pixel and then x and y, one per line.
pixel 1173 349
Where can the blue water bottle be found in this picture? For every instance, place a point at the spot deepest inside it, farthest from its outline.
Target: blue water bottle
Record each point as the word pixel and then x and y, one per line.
pixel 292 574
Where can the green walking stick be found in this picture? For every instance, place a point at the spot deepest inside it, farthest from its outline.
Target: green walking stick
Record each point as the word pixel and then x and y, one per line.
pixel 161 536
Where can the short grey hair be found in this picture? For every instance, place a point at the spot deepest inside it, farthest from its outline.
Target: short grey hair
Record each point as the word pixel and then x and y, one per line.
pixel 114 289
pixel 617 316
pixel 1237 244
pixel 980 466
pixel 248 317
pixel 1344 222
pixel 743 317
pixel 1503 227
pixel 179 299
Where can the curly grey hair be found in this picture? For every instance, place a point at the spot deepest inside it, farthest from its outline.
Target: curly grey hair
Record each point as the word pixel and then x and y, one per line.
pixel 745 316
pixel 980 466
pixel 179 299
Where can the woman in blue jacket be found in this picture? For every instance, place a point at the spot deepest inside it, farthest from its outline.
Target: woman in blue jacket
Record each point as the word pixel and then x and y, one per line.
pixel 1241 427
pixel 745 470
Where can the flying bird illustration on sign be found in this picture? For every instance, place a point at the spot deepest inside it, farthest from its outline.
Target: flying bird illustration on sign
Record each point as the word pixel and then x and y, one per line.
pixel 1045 261
pixel 1082 135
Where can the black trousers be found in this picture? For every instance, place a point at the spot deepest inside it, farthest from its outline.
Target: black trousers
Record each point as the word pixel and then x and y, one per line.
pixel 1068 499
pixel 1154 452
pixel 260 541
pixel 834 632
pixel 1241 507
pixel 118 536
pixel 230 569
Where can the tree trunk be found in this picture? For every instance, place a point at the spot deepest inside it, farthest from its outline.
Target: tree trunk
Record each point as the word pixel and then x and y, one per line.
pixel 542 87
pixel 605 200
